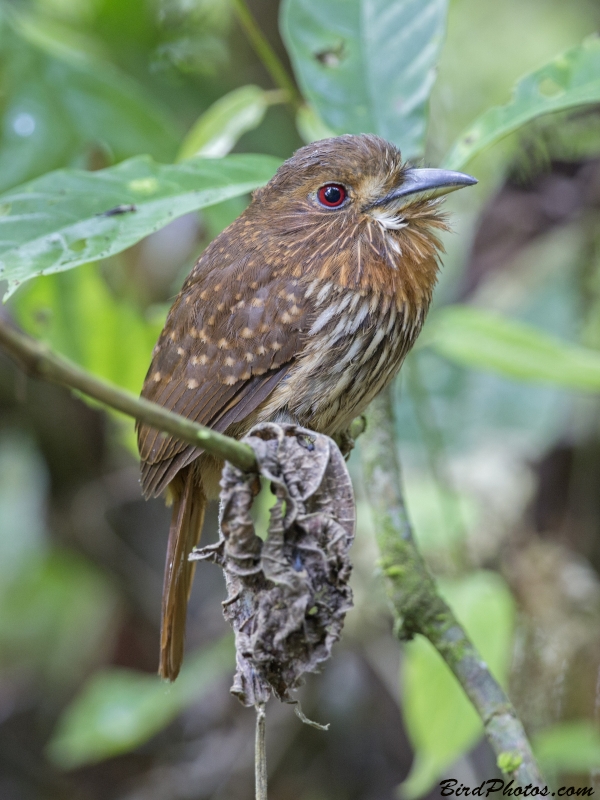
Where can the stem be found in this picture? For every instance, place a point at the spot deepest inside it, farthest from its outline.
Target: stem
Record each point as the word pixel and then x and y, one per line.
pixel 260 755
pixel 265 52
pixel 39 361
pixel 418 608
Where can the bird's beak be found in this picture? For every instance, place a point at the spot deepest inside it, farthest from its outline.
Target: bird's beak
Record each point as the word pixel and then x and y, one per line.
pixel 428 183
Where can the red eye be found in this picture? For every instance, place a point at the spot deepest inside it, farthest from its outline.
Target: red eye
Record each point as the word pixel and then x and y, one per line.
pixel 331 195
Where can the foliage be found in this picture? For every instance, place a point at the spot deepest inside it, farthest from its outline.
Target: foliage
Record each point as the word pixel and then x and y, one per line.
pixel 480 339
pixel 569 747
pixel 441 722
pixel 54 601
pixel 70 105
pixel 61 100
pixel 344 50
pixel 119 709
pixel 71 217
pixel 219 128
pixel 48 598
pixel 572 79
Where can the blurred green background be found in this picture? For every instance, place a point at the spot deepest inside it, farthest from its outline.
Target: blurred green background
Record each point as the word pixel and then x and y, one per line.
pixel 498 429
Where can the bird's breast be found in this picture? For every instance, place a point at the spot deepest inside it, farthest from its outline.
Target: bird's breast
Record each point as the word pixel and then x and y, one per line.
pixel 353 346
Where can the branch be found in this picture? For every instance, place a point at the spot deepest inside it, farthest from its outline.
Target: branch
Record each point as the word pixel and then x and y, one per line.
pixel 418 607
pixel 260 755
pixel 39 361
pixel 265 52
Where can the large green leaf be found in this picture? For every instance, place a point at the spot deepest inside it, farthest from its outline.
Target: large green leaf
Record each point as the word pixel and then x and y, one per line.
pixel 71 217
pixel 572 79
pixel 441 722
pixel 217 131
pixel 485 340
pixel 58 102
pixel 119 709
pixel 367 65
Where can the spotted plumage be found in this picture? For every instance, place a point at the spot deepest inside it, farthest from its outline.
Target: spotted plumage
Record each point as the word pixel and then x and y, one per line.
pixel 297 311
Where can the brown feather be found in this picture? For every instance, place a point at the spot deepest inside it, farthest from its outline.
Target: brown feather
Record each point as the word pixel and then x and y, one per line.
pixel 189 505
pixel 200 375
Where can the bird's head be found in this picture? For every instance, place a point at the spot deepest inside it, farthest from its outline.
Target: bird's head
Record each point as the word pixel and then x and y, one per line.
pixel 353 205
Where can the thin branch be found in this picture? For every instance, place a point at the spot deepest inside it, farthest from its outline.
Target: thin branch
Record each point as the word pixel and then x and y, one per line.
pixel 265 52
pixel 260 755
pixel 39 361
pixel 418 607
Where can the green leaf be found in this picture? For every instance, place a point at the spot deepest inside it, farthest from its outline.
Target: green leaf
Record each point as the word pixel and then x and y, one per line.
pixel 119 709
pixel 59 102
pixel 485 340
pixel 217 131
pixel 571 79
pixel 572 747
pixel 60 220
pixel 367 65
pixel 441 723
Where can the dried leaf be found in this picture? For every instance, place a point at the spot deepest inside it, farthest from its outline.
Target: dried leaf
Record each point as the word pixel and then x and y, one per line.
pixel 287 596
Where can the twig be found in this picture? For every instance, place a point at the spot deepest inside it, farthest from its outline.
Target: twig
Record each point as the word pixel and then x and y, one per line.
pixel 418 607
pixel 260 755
pixel 265 52
pixel 39 361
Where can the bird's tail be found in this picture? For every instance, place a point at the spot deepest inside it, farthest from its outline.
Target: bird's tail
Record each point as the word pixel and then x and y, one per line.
pixel 189 505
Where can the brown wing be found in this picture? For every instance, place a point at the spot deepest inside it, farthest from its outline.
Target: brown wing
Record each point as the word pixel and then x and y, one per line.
pixel 229 339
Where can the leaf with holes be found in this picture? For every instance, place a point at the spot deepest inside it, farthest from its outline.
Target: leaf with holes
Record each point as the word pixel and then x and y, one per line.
pixel 572 79
pixel 367 65
pixel 71 217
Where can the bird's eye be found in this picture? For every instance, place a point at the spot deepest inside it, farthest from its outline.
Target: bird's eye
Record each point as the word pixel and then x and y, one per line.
pixel 331 195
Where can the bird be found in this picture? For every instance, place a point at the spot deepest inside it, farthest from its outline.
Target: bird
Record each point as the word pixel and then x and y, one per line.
pixel 302 311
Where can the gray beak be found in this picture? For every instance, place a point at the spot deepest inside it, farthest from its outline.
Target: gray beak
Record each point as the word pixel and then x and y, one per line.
pixel 428 182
